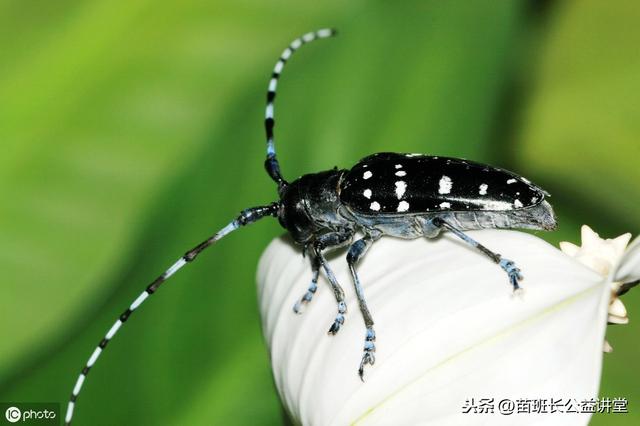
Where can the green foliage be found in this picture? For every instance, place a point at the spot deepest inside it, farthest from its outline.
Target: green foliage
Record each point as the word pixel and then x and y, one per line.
pixel 131 130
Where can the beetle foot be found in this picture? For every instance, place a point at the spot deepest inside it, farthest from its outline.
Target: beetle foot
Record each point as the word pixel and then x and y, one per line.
pixel 335 327
pixel 299 306
pixel 369 348
pixel 513 271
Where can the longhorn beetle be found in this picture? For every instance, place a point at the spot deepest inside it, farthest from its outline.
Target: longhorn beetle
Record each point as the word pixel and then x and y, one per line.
pixel 400 195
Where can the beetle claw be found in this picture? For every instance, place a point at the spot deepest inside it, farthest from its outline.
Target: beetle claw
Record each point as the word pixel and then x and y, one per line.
pixel 513 272
pixel 369 356
pixel 299 306
pixel 335 327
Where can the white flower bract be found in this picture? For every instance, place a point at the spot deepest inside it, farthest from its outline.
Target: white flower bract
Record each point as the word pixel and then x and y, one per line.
pixel 609 258
pixel 448 329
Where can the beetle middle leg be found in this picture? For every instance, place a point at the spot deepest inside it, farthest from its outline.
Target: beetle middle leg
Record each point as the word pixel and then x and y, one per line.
pixel 356 251
pixel 507 265
pixel 333 240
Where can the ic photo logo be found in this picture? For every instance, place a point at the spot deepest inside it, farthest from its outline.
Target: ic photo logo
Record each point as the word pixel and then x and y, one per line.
pixel 30 413
pixel 13 414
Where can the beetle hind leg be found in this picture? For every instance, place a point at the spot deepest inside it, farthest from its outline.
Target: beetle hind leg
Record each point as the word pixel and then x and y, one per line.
pixel 513 271
pixel 507 265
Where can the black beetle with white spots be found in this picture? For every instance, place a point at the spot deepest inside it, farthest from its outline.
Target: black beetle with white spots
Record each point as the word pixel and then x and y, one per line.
pixel 386 194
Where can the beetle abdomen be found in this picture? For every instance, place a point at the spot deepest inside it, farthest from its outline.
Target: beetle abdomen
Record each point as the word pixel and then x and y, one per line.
pixel 391 183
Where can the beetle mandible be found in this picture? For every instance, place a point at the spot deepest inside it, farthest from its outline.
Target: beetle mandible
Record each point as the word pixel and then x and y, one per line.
pixel 399 195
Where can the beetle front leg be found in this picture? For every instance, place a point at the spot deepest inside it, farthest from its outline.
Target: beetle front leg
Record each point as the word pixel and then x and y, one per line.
pixel 356 251
pixel 298 307
pixel 507 265
pixel 331 241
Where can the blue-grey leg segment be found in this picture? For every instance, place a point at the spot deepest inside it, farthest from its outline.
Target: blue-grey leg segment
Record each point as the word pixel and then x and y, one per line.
pixel 368 357
pixel 298 308
pixel 356 251
pixel 337 323
pixel 333 240
pixel 512 270
pixel 507 265
pixel 339 294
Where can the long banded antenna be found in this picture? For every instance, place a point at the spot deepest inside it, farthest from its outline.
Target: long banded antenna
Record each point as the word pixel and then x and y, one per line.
pixel 246 217
pixel 271 163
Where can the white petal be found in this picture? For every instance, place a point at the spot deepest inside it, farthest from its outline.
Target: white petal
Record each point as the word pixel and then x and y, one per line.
pixel 589 236
pixel 447 328
pixel 613 319
pixel 601 255
pixel 629 267
pixel 569 248
pixel 616 308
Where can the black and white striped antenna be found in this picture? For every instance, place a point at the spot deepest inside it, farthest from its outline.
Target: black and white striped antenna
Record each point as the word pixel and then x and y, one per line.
pixel 247 217
pixel 271 163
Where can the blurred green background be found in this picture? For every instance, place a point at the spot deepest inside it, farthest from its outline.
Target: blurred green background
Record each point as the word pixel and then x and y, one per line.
pixel 131 130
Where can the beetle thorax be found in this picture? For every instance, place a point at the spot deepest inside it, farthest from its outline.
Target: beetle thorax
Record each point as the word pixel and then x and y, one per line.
pixel 310 206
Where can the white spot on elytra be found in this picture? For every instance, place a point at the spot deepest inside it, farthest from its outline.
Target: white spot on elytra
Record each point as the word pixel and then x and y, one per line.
pixel 510 181
pixel 401 187
pixel 401 173
pixel 445 185
pixel 398 166
pixel 403 206
pixel 517 204
pixel 534 199
pixel 367 175
pixel 445 205
pixel 497 205
pixel 483 189
pixel 375 206
pixel 367 193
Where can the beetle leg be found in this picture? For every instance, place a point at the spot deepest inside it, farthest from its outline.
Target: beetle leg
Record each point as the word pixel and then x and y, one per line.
pixel 356 251
pixel 298 308
pixel 333 240
pixel 507 265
